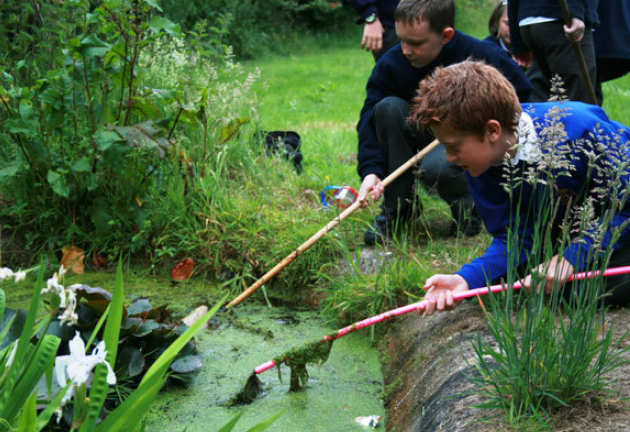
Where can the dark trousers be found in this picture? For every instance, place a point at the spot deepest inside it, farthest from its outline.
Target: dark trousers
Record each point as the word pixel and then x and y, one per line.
pixel 555 54
pixel 618 287
pixel 400 142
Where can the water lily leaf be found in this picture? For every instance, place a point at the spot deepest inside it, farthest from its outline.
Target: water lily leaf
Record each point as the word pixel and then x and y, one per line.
pixel 90 293
pixel 146 327
pixel 187 364
pixel 139 306
pixel 96 298
pixel 131 361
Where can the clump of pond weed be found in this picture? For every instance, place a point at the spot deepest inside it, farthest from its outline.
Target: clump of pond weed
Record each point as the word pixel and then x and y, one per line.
pixel 297 358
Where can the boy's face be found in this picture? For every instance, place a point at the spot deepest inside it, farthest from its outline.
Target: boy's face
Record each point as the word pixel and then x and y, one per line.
pixel 419 43
pixel 473 153
pixel 504 28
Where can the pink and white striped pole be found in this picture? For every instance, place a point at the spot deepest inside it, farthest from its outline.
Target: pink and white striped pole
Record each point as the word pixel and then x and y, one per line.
pixel 457 297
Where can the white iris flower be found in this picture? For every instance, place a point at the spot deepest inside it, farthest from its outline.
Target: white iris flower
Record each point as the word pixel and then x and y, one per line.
pixel 77 366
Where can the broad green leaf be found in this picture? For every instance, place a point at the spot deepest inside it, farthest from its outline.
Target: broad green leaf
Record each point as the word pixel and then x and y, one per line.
pixel 9 172
pixel 32 372
pixel 154 4
pixel 160 366
pixel 131 412
pixel 58 183
pixel 105 139
pixel 5 426
pixel 159 23
pixel 265 424
pixel 230 425
pixel 82 165
pixel 92 46
pixel 28 419
pixel 9 407
pixel 46 414
pixel 3 303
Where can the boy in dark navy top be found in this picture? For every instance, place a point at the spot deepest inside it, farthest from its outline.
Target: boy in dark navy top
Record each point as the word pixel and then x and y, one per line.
pixel 512 153
pixel 538 32
pixel 428 40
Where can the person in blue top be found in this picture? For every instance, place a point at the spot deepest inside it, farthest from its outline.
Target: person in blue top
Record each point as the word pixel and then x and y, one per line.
pixel 377 17
pixel 514 155
pixel 428 40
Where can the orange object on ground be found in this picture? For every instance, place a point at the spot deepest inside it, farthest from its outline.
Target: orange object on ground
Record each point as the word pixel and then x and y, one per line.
pixel 182 270
pixel 73 258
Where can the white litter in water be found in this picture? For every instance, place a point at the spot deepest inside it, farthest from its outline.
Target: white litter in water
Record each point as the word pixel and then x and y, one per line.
pixel 369 421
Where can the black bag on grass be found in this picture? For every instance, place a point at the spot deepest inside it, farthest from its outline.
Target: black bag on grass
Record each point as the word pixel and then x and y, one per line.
pixel 286 144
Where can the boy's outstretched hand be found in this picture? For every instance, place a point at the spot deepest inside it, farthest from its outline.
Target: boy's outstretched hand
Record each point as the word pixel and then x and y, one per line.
pixel 371 189
pixel 440 290
pixel 556 271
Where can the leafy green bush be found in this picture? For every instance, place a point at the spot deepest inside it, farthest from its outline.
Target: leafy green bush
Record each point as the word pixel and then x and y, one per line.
pixel 81 136
pixel 256 27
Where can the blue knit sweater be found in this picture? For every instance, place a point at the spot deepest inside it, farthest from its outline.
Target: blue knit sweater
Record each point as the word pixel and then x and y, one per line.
pixel 611 150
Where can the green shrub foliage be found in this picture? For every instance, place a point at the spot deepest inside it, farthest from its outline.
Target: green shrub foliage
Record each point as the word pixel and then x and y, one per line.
pixel 251 27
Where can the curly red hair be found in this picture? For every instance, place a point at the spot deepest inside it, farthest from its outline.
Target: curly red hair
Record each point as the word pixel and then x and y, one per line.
pixel 465 96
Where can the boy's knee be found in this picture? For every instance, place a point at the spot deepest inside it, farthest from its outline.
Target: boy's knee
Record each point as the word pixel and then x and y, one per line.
pixel 391 108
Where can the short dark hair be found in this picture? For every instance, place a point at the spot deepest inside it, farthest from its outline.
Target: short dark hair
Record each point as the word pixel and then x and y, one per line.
pixel 438 13
pixel 495 18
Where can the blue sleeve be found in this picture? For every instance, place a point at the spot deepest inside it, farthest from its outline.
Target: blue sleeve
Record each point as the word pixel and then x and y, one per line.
pixel 612 228
pixel 491 265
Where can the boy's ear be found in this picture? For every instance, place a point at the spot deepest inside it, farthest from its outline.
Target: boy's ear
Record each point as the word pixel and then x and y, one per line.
pixel 447 35
pixel 493 130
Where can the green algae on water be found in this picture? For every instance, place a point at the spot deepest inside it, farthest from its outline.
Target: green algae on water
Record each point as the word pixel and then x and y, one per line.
pixel 297 358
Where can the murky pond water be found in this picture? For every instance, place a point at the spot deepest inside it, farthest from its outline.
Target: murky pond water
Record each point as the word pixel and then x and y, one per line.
pixel 348 385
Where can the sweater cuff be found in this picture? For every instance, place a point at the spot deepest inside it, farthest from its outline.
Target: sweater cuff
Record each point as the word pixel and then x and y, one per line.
pixel 577 254
pixel 371 169
pixel 366 13
pixel 471 277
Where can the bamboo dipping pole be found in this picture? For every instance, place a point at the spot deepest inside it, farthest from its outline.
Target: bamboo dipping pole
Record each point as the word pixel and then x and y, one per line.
pixel 328 227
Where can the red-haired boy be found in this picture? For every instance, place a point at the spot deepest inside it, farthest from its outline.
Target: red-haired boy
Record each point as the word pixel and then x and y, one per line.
pixel 511 151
